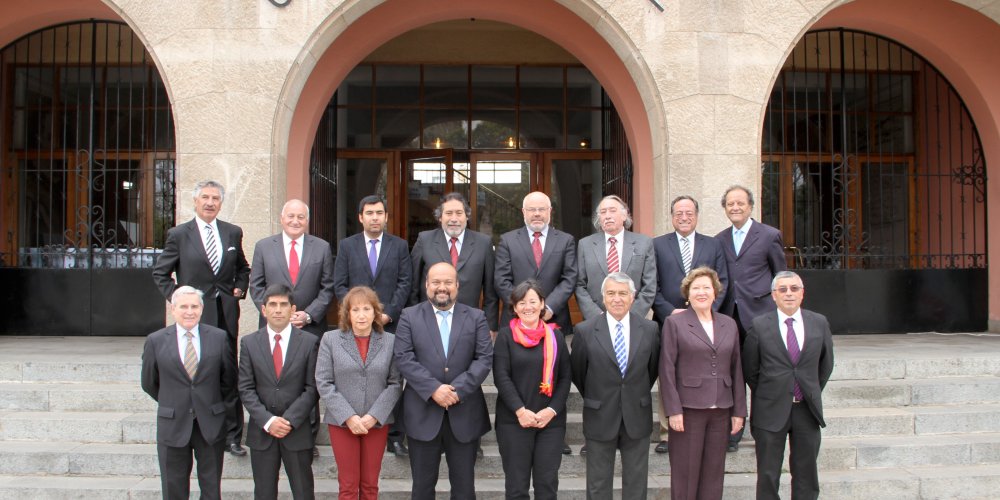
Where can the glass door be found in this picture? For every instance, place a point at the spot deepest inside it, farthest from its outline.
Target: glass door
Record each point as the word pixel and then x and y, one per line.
pixel 500 182
pixel 427 176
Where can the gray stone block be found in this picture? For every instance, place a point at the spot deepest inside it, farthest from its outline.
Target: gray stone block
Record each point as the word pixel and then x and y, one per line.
pixel 32 457
pixel 75 427
pixel 111 372
pixel 10 371
pixel 865 393
pixel 23 397
pixel 914 453
pixel 968 482
pixel 961 366
pixel 951 419
pixel 868 369
pixel 92 399
pixel 867 422
pixel 943 391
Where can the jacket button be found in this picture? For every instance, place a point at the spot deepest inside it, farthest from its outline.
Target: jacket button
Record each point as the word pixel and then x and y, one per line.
pixel 446 370
pixel 713 372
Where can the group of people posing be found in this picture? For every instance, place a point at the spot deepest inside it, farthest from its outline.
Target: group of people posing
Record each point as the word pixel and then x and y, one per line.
pixel 419 332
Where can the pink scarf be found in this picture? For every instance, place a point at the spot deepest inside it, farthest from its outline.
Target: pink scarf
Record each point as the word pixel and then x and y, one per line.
pixel 530 338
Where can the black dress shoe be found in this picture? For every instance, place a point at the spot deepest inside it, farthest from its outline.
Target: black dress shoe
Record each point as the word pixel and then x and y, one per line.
pixel 236 450
pixel 662 447
pixel 479 453
pixel 733 448
pixel 583 450
pixel 397 448
pixel 567 450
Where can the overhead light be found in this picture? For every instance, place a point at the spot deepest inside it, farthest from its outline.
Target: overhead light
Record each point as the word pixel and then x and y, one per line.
pixel 126 185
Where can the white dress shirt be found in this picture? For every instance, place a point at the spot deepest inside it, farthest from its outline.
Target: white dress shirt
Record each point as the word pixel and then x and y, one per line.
pixel 541 239
pixel 690 240
pixel 618 245
pixel 626 331
pixel 288 247
pixel 182 341
pixel 797 325
pixel 285 335
pixel 215 233
pixel 458 244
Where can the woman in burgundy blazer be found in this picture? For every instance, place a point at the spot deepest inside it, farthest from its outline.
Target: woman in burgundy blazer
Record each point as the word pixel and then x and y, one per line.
pixel 701 388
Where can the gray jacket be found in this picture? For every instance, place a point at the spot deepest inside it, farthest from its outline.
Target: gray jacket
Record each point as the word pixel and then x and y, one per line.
pixel 347 386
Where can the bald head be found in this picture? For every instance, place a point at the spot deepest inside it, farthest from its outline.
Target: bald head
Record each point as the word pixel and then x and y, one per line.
pixel 537 210
pixel 294 218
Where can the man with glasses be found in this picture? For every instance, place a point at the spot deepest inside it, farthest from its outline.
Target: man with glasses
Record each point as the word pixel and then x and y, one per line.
pixel 787 360
pixel 754 254
pixel 677 253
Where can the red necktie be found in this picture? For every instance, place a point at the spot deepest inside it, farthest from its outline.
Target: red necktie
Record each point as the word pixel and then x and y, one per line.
pixel 612 256
pixel 276 354
pixel 293 263
pixel 536 248
pixel 454 252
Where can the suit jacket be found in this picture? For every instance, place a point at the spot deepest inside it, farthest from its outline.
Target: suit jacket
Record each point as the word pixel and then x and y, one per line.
pixel 421 359
pixel 475 269
pixel 761 257
pixel 392 272
pixel 184 254
pixel 769 371
pixel 608 398
pixel 179 398
pixel 670 271
pixel 517 373
pixel 293 396
pixel 698 373
pixel 312 291
pixel 515 263
pixel 351 386
pixel 637 260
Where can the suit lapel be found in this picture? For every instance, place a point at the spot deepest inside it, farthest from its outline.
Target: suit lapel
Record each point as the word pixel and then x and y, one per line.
pixel 207 349
pixel 224 235
pixel 440 244
pixel 600 255
pixel 307 251
pixel 628 241
pixel 382 256
pixel 699 249
pixel 374 345
pixel 636 338
pixel 468 245
pixel 695 328
pixel 604 339
pixel 750 238
pixel 431 319
pixel 458 319
pixel 278 249
pixel 810 339
pixel 194 232
pixel 674 245
pixel 294 346
pixel 264 348
pixel 522 241
pixel 726 238
pixel 171 334
pixel 550 246
pixel 350 346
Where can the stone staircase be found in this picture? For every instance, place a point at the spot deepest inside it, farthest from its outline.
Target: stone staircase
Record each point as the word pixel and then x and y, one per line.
pixel 909 416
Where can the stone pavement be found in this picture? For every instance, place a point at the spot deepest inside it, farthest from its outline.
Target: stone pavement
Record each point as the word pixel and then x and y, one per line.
pixel 909 416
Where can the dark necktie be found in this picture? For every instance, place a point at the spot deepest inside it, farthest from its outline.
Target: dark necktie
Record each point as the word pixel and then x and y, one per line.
pixel 373 257
pixel 454 252
pixel 276 354
pixel 793 355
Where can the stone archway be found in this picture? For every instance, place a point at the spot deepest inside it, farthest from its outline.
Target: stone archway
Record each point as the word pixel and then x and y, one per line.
pixel 961 43
pixel 341 44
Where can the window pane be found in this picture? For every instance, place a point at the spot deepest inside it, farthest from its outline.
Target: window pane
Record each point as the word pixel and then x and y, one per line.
pixel 445 129
pixel 357 87
pixel 575 191
pixel 446 86
pixel 397 128
pixel 582 88
pixel 501 185
pixel 894 93
pixel 770 196
pixel 541 86
pixel 397 85
pixel 886 214
pixel 357 131
pixel 493 86
pixel 493 130
pixel 541 129
pixel 584 129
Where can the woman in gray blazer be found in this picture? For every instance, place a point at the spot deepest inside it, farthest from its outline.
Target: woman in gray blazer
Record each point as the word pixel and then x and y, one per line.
pixel 359 385
pixel 701 388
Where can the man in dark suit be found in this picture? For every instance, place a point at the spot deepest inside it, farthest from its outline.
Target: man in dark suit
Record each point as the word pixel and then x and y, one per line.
pixel 540 252
pixel 312 285
pixel 468 251
pixel 787 360
pixel 278 387
pixel 444 352
pixel 380 261
pixel 615 360
pixel 754 254
pixel 613 248
pixel 188 370
pixel 207 254
pixel 679 252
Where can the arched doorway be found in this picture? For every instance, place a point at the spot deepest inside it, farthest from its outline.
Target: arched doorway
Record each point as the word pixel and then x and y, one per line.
pixel 412 128
pixel 87 139
pixel 874 171
pixel 349 43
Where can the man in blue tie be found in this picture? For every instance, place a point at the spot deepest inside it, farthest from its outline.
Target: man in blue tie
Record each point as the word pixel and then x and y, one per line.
pixel 444 351
pixel 754 254
pixel 617 408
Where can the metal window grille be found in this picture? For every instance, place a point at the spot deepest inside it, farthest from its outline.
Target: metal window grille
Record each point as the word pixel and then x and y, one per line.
pixel 87 141
pixel 871 159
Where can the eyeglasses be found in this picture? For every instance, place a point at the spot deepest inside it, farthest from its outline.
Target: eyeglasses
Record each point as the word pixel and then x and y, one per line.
pixel 793 288
pixel 536 210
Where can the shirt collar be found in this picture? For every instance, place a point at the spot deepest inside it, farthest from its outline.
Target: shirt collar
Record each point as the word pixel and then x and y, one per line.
pixel 287 332
pixel 369 239
pixel 618 237
pixel 544 231
pixel 287 240
pixel 450 310
pixel 202 224
pixel 181 330
pixel 745 228
pixel 612 322
pixel 447 238
pixel 797 316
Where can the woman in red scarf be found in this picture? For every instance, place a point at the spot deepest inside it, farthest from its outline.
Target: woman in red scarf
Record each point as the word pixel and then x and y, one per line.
pixel 532 374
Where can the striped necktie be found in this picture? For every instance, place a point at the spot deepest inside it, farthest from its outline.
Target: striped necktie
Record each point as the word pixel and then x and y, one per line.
pixel 211 249
pixel 620 352
pixel 686 254
pixel 612 256
pixel 190 356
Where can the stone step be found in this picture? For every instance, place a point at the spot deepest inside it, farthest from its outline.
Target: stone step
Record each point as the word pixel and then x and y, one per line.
pixel 140 427
pixel 123 397
pixel 967 482
pixel 104 459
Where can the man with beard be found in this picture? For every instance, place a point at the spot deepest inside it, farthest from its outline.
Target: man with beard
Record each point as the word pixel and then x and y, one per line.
pixel 444 352
pixel 470 252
